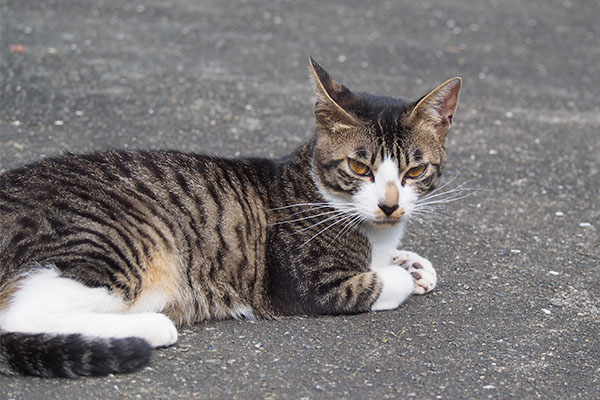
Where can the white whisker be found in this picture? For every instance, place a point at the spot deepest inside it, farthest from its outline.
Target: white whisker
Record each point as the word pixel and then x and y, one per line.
pixel 445 184
pixel 309 217
pixel 350 224
pixel 308 204
pixel 421 221
pixel 453 197
pixel 458 189
pixel 344 218
pixel 427 208
pixel 340 216
pixel 426 212
pixel 310 209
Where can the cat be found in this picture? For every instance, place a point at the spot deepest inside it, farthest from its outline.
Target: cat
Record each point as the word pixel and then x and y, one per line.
pixel 102 254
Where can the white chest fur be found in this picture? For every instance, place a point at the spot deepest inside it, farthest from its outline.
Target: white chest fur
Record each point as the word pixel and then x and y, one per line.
pixel 384 244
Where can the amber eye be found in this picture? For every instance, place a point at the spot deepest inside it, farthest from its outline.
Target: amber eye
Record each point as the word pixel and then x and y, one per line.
pixel 358 168
pixel 416 172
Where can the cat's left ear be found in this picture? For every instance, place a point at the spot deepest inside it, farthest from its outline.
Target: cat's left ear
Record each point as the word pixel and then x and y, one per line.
pixel 334 99
pixel 437 108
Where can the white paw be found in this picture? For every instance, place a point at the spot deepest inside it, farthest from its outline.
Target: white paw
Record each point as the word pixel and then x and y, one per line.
pixel 397 285
pixel 156 328
pixel 420 268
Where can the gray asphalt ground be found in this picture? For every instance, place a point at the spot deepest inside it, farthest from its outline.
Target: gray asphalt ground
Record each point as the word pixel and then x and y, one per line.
pixel 516 313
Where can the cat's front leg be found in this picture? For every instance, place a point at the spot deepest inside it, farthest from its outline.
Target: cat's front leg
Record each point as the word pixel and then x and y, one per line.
pixel 396 285
pixel 420 268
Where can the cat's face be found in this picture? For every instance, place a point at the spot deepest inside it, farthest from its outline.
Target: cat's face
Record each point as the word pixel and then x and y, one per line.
pixel 375 156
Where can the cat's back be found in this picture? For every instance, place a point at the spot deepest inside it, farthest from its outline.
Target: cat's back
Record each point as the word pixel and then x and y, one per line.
pixel 201 218
pixel 109 182
pixel 154 186
pixel 157 177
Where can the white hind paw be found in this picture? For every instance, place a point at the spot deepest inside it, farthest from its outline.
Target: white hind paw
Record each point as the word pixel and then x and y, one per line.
pixel 156 328
pixel 420 268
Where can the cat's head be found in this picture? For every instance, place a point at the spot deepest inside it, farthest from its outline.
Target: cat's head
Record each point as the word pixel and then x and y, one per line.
pixel 375 156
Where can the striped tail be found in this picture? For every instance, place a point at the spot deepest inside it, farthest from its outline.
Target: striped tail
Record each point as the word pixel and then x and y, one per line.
pixel 69 356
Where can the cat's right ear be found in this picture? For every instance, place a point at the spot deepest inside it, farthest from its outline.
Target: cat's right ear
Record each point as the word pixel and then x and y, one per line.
pixel 437 107
pixel 332 96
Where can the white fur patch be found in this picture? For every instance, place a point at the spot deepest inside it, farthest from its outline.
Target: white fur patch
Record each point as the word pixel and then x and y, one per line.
pixel 373 193
pixel 149 301
pixel 384 243
pixel 397 283
pixel 48 303
pixel 243 313
pixel 385 239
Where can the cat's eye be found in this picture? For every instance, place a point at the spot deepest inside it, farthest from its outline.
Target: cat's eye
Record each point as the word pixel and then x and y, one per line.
pixel 416 172
pixel 358 168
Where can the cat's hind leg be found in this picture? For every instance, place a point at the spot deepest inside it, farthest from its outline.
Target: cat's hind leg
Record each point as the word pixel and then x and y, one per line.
pixel 45 302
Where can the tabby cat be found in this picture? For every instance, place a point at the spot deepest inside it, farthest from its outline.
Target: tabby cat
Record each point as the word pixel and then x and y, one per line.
pixel 102 254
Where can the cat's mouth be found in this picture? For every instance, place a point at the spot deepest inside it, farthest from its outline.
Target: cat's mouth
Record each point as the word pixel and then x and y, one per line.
pixel 386 222
pixel 388 216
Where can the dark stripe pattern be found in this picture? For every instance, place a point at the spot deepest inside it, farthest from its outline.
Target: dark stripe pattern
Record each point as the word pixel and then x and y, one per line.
pixel 215 237
pixel 69 356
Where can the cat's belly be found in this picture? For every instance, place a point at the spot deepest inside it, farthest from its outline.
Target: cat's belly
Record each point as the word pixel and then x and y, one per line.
pixel 166 288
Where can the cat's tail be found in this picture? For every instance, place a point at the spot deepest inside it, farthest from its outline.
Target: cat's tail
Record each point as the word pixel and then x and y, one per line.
pixel 70 355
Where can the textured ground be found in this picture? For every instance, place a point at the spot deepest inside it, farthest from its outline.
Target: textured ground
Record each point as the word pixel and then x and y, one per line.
pixel 516 311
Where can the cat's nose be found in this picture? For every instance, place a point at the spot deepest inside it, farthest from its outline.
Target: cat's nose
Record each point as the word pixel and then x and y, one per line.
pixel 388 210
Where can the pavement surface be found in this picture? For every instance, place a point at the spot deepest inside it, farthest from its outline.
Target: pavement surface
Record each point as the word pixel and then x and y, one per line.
pixel 516 313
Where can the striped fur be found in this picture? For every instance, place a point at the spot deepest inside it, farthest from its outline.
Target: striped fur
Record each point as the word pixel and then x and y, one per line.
pixel 197 237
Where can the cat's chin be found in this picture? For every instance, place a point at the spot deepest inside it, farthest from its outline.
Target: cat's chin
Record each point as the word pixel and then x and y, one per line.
pixel 385 223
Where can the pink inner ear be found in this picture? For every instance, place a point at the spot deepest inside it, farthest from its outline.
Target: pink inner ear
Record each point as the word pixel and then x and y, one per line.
pixel 443 126
pixel 333 95
pixel 438 107
pixel 448 104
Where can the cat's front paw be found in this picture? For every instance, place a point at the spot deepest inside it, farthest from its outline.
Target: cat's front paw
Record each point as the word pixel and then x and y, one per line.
pixel 420 268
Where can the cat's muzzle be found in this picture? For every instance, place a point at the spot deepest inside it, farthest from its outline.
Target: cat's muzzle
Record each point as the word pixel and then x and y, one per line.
pixel 386 216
